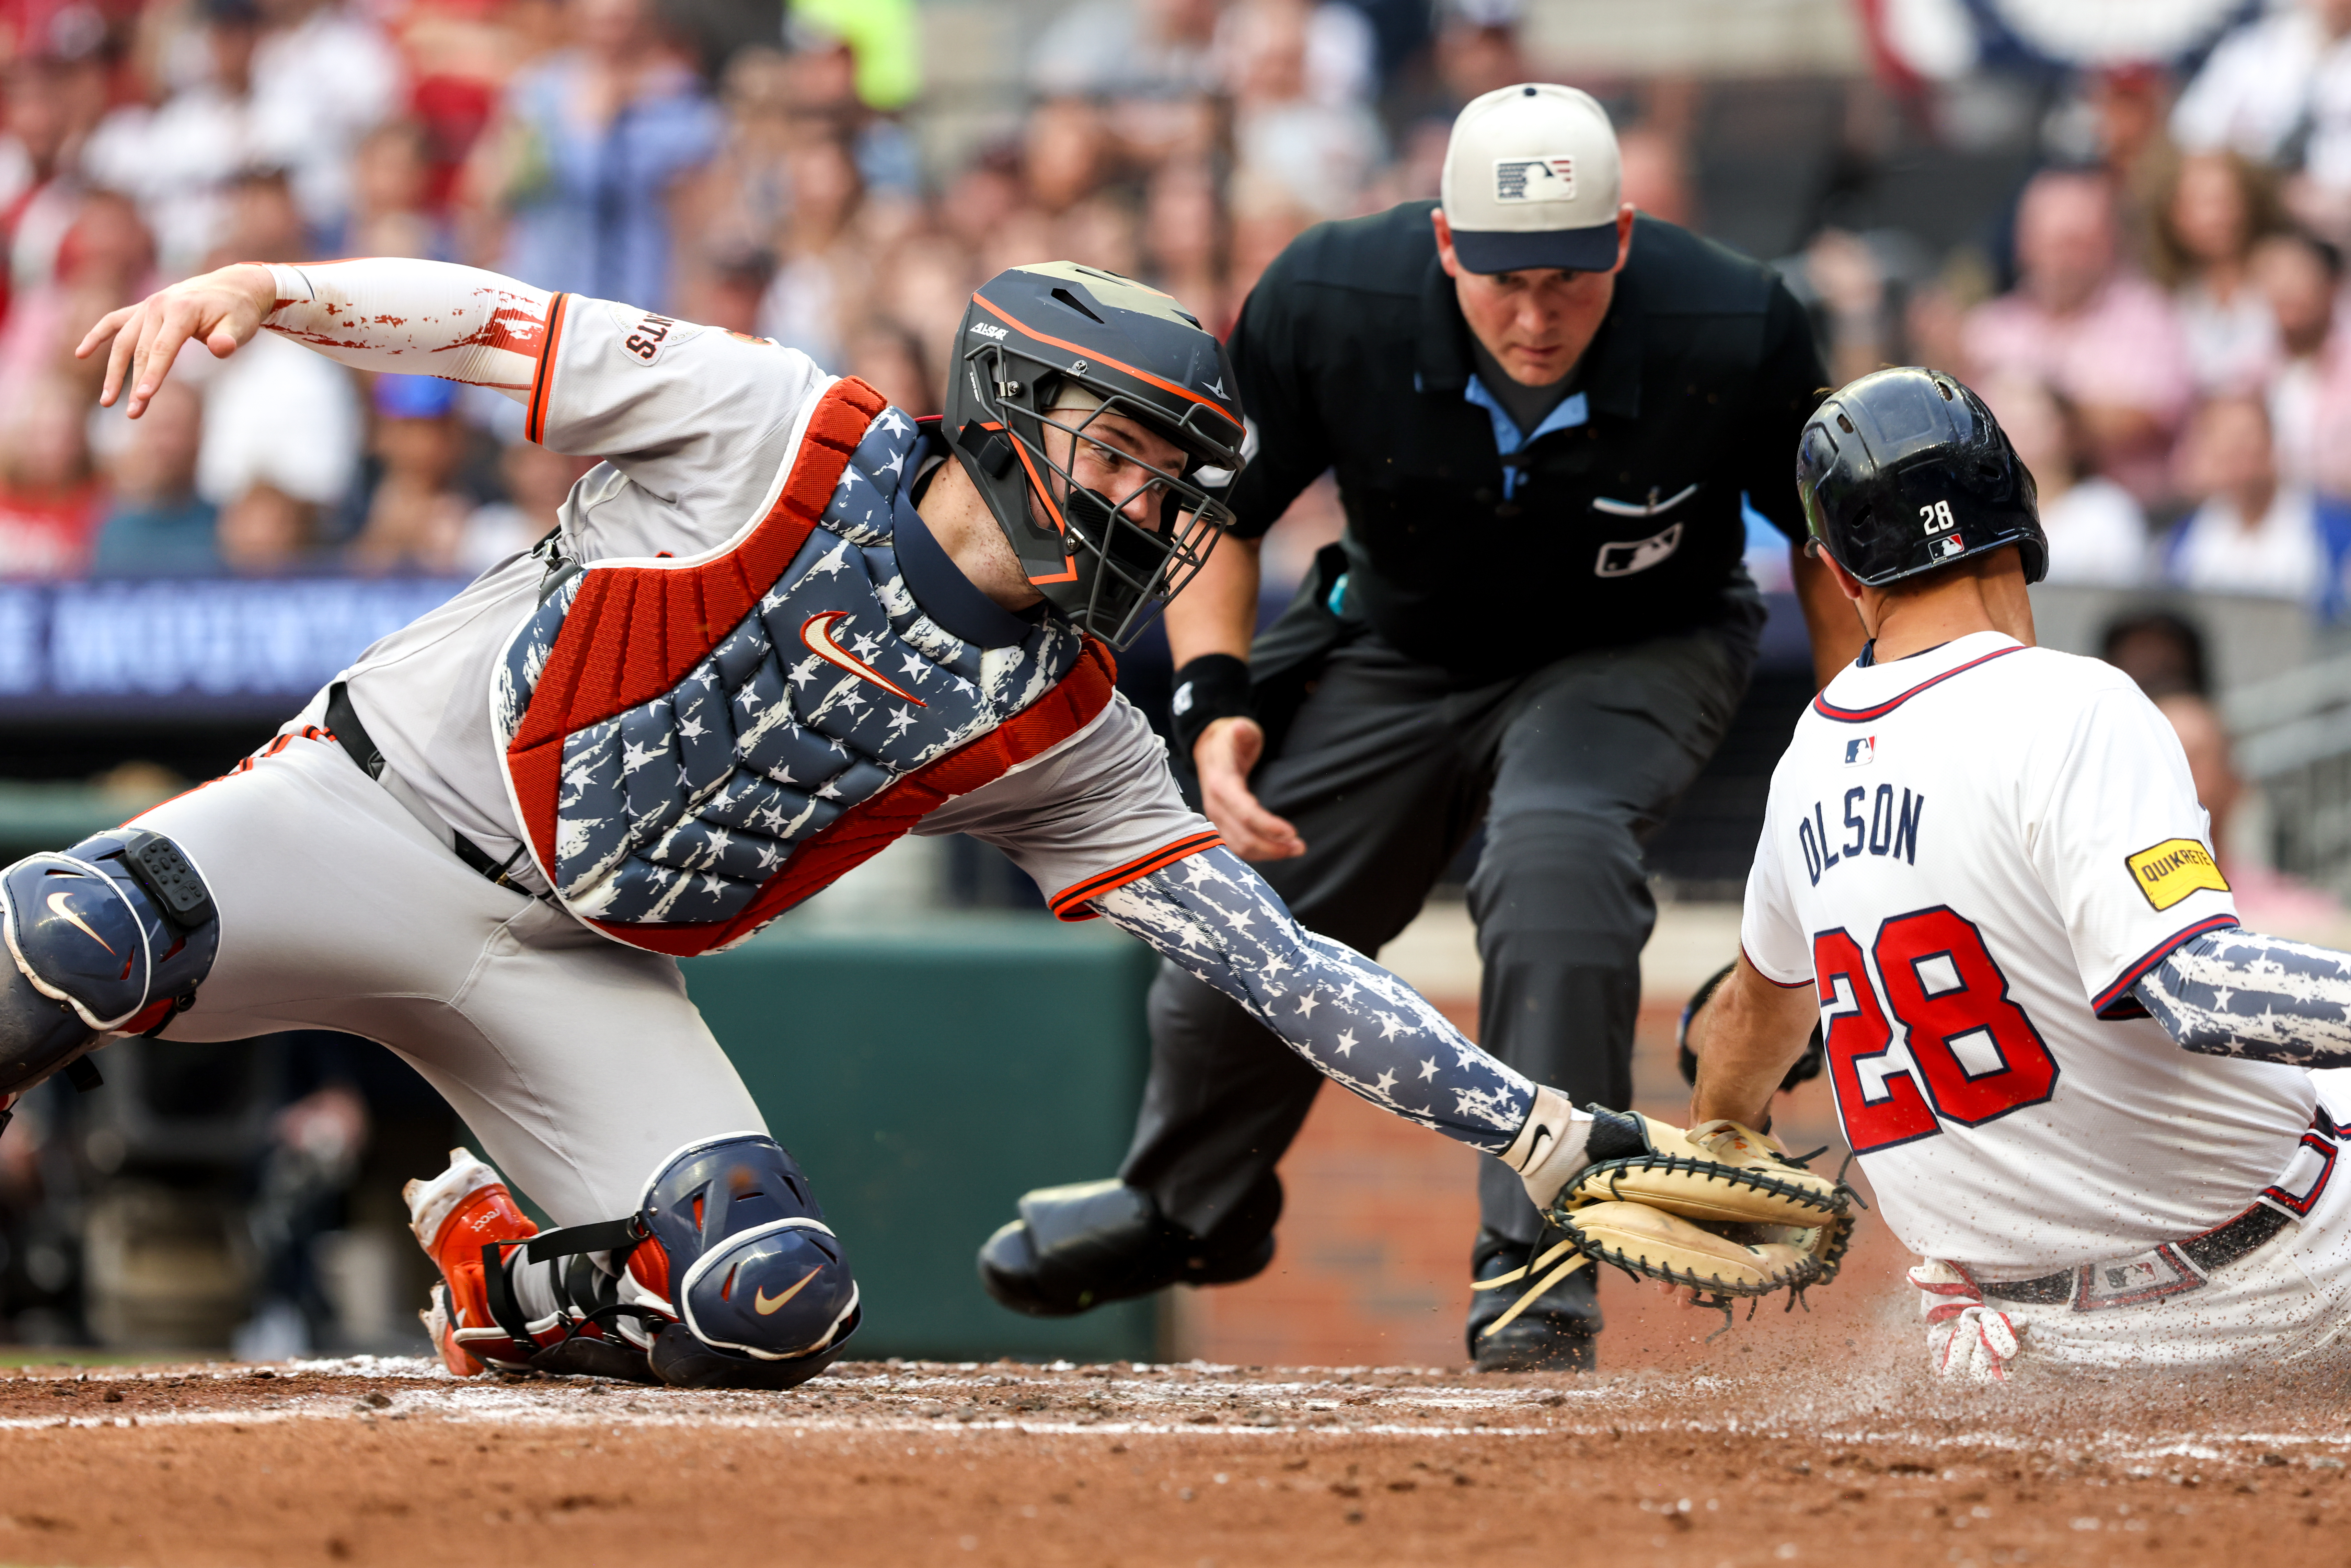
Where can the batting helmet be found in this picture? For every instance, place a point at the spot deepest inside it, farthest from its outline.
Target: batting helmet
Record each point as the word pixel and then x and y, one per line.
pixel 1058 346
pixel 1905 470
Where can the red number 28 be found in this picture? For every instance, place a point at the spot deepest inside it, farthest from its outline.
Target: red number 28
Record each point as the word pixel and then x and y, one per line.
pixel 1974 1054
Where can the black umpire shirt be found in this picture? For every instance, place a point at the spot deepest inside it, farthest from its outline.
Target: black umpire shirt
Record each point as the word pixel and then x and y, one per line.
pixel 1620 519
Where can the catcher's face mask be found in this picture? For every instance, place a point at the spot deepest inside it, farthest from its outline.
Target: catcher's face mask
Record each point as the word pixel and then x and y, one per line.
pixel 1099 442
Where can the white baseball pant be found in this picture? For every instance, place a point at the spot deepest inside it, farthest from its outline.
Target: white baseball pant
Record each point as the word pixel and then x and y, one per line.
pixel 579 1063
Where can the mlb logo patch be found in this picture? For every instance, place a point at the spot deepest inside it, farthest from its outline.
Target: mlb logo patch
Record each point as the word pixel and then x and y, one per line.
pixel 1861 752
pixel 1622 558
pixel 1534 179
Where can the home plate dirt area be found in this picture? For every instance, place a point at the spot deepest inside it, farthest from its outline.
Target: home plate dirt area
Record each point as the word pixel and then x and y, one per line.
pixel 391 1461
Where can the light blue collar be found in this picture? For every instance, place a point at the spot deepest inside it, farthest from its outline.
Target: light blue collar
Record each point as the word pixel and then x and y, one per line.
pixel 1570 413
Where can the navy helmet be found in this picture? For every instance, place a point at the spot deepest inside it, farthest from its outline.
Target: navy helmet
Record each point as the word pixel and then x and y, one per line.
pixel 1905 470
pixel 1057 346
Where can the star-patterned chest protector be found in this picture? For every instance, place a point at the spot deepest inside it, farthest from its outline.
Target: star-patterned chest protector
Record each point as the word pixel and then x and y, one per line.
pixel 694 746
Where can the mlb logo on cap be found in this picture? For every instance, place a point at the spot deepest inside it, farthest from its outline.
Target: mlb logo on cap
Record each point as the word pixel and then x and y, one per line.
pixel 1534 179
pixel 1531 179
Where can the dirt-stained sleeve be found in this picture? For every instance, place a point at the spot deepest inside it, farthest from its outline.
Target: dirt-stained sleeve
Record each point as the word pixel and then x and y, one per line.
pixel 687 412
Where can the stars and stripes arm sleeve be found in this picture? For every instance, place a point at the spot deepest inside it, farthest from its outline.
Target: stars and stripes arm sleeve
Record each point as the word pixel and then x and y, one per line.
pixel 402 316
pixel 1360 1025
pixel 2263 998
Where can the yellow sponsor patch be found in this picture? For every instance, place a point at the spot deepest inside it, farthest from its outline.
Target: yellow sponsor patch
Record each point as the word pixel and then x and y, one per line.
pixel 2175 868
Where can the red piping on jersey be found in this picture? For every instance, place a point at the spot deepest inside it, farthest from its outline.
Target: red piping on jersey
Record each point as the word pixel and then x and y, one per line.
pixel 534 419
pixel 2326 1149
pixel 1828 709
pixel 1784 984
pixel 1069 903
pixel 2114 993
pixel 865 830
pixel 268 748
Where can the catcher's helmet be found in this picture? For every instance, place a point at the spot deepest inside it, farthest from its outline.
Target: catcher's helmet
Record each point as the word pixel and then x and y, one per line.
pixel 1056 345
pixel 1905 470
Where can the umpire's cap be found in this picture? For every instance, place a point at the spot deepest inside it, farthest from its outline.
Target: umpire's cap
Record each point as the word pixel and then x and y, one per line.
pixel 1905 470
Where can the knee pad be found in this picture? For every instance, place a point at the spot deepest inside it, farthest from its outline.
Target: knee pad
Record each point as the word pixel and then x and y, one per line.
pixel 758 1282
pixel 111 937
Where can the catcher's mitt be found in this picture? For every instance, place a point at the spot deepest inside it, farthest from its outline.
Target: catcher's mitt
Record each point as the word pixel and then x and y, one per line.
pixel 1718 1209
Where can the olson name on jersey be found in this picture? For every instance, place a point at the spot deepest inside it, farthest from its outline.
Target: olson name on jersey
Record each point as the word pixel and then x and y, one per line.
pixel 1875 823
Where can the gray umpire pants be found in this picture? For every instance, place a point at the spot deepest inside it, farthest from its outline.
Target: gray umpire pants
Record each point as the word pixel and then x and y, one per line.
pixel 1387 770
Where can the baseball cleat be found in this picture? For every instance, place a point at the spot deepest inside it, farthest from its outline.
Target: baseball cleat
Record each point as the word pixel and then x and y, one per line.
pixel 454 1217
pixel 1561 1333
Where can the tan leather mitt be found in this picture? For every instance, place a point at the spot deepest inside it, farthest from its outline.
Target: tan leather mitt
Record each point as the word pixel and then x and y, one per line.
pixel 1728 1212
pixel 1714 1171
pixel 1663 1246
pixel 1718 1208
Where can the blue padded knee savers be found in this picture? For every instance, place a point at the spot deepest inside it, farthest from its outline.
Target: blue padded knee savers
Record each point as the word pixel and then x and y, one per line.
pixel 112 936
pixel 759 1282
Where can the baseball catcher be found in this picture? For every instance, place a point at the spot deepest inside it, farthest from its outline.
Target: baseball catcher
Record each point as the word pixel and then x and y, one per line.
pixel 780 624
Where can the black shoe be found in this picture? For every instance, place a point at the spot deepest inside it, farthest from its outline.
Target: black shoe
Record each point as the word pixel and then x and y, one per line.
pixel 1077 1247
pixel 1558 1334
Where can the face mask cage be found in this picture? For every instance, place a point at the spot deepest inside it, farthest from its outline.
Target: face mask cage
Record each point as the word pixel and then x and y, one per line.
pixel 1136 567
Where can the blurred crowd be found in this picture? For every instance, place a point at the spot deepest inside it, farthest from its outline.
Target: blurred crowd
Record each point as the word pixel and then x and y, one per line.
pixel 2159 319
pixel 742 165
pixel 2162 325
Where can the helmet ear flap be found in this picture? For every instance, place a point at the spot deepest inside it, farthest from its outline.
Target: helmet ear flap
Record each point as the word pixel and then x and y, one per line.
pixel 991 449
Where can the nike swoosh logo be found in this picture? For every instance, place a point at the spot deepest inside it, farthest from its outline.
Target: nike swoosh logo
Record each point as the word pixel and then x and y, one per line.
pixel 57 907
pixel 815 634
pixel 766 1307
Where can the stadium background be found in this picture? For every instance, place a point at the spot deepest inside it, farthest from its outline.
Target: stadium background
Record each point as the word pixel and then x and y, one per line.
pixel 2118 220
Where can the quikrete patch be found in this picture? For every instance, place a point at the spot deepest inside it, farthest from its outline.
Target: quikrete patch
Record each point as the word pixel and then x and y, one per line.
pixel 2170 871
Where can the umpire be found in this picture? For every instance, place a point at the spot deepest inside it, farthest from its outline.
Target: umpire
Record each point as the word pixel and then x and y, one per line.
pixel 1544 413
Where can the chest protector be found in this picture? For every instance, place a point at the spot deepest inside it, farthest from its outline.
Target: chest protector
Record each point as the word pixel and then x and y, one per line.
pixel 694 746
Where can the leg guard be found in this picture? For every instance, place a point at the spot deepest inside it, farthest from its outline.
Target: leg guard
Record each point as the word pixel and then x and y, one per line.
pixel 758 1281
pixel 731 1277
pixel 112 936
pixel 1077 1247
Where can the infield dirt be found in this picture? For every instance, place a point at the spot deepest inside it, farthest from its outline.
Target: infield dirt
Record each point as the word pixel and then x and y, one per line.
pixel 1784 1460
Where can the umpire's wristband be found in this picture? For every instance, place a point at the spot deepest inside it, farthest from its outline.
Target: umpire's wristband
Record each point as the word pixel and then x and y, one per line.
pixel 1212 686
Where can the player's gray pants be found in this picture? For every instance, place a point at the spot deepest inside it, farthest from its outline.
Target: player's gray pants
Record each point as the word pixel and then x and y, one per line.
pixel 1386 771
pixel 578 1062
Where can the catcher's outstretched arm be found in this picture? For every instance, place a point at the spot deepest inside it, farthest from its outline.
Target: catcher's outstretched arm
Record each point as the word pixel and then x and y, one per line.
pixel 2239 993
pixel 1357 1023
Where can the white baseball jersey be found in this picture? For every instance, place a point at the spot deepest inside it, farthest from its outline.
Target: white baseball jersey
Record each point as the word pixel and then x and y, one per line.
pixel 1973 854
